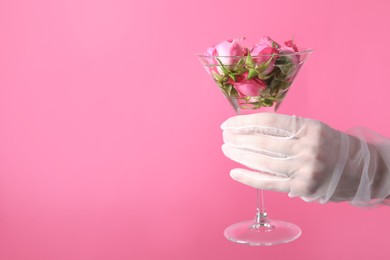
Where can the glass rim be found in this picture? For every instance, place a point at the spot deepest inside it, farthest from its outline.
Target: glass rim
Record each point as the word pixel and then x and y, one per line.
pixel 305 51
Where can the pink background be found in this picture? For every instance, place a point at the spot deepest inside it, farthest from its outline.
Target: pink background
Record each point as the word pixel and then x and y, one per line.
pixel 109 126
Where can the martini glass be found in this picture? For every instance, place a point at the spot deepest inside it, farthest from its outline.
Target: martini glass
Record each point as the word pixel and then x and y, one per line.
pixel 269 77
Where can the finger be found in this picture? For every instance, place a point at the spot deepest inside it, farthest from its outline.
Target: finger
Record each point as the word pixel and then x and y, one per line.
pixel 257 161
pixel 267 144
pixel 308 199
pixel 265 123
pixel 260 180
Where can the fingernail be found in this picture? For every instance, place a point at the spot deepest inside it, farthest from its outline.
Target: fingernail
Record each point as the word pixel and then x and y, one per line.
pixel 235 174
pixel 291 195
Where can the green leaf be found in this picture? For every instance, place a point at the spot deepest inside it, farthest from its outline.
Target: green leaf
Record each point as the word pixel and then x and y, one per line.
pixel 223 67
pixel 275 45
pixel 265 93
pixel 265 77
pixel 224 90
pixel 286 68
pixel 252 73
pixel 274 83
pixel 268 102
pixel 241 70
pixel 229 90
pixel 249 61
pixel 264 65
pixel 274 86
pixel 217 77
pixel 241 62
pixel 284 85
pixel 233 92
pixel 232 76
pixel 283 60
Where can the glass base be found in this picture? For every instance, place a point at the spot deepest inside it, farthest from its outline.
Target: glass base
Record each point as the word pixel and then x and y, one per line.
pixel 272 232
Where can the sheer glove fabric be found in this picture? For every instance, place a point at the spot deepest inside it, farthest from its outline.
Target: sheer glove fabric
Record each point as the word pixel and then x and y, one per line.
pixel 308 158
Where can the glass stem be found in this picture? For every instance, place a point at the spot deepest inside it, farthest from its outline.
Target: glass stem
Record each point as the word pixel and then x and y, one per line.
pixel 261 214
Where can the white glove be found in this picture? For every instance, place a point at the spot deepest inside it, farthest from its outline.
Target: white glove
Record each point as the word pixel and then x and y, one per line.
pixel 309 159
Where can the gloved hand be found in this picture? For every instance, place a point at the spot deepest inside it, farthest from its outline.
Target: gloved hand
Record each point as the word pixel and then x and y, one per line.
pixel 309 159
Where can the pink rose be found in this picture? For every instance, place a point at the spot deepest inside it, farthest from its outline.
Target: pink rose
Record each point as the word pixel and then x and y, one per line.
pixel 264 50
pixel 228 49
pixel 291 44
pixel 251 87
pixel 265 42
pixel 291 48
